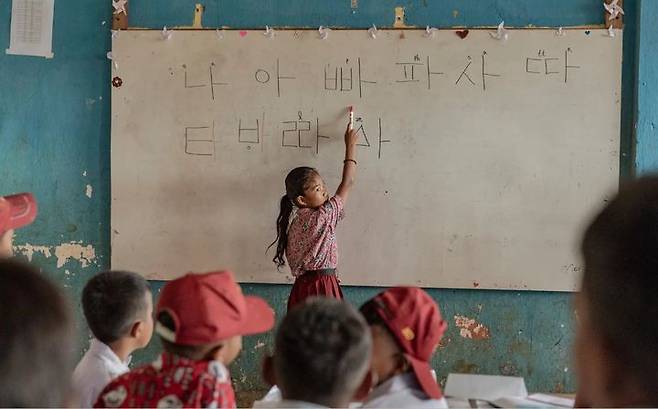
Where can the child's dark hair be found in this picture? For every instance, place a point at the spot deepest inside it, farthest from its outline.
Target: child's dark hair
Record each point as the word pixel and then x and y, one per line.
pixel 370 311
pixel 193 352
pixel 296 182
pixel 36 339
pixel 112 301
pixel 620 281
pixel 322 352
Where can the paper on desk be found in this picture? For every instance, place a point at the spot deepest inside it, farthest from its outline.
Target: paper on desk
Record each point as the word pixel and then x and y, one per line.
pixel 485 387
pixel 552 400
pixel 518 402
pixel 459 403
pixel 31 30
pixel 534 401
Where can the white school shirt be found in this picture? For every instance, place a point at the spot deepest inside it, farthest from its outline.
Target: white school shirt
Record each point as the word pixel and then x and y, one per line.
pixel 274 400
pixel 95 370
pixel 402 391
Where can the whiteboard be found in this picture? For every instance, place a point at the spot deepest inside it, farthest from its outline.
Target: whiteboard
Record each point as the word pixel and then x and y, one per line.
pixel 480 160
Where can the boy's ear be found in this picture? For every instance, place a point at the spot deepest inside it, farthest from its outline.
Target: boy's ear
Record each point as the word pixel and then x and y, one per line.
pixel 136 329
pixel 368 383
pixel 268 370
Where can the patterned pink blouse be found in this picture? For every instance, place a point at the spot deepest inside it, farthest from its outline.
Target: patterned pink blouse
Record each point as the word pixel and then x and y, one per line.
pixel 312 237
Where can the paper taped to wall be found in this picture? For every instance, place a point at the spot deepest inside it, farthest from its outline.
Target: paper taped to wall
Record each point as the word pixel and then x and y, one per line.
pixel 31 28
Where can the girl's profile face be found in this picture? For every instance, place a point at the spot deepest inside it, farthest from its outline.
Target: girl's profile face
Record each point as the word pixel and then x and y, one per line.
pixel 315 193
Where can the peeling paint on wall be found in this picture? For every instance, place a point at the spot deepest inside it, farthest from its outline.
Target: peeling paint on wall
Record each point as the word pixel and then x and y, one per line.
pixel 508 369
pixel 471 329
pixel 28 250
pixel 89 191
pixel 444 342
pixel 64 252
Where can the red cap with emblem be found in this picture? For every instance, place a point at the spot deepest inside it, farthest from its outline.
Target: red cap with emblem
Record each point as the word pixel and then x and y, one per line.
pixel 415 320
pixel 210 307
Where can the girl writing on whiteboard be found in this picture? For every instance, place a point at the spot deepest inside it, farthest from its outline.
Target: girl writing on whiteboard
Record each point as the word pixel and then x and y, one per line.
pixel 307 236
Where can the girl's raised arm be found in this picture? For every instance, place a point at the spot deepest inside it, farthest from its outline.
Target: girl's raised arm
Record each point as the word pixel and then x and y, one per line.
pixel 349 164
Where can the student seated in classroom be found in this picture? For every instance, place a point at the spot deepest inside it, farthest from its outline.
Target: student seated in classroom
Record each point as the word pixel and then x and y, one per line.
pixel 15 211
pixel 36 339
pixel 616 345
pixel 406 328
pixel 118 306
pixel 200 319
pixel 321 356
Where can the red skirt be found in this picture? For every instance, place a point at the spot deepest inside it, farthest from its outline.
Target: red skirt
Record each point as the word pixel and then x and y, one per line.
pixel 314 283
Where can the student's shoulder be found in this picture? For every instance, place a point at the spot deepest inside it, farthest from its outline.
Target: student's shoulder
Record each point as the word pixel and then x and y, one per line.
pixel 218 372
pixel 215 386
pixel 89 368
pixel 144 371
pixel 406 403
pixel 335 202
pixel 305 217
pixel 333 205
pixel 408 398
pixel 115 392
pixel 303 213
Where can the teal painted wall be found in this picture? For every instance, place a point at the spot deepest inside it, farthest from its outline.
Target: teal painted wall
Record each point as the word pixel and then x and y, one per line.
pixel 646 147
pixel 54 141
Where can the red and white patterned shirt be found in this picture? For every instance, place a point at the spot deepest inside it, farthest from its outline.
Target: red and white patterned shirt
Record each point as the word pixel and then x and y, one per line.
pixel 312 237
pixel 171 382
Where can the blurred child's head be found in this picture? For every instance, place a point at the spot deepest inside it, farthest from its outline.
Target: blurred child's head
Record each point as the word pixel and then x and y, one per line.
pixel 322 353
pixel 118 306
pixel 204 316
pixel 15 211
pixel 304 188
pixel 36 339
pixel 406 328
pixel 617 309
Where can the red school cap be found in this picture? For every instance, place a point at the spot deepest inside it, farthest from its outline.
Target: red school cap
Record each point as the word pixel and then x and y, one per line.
pixel 17 211
pixel 210 307
pixel 415 320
